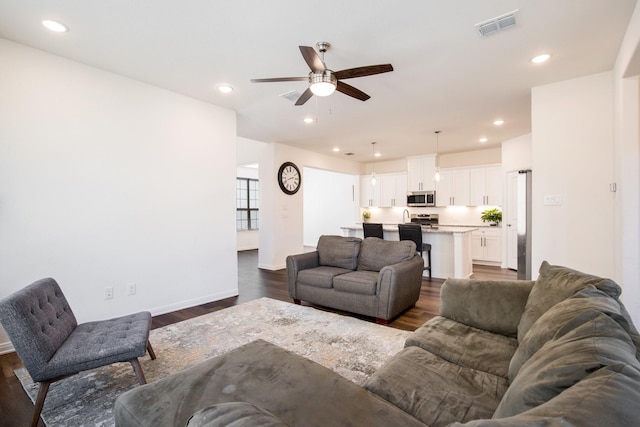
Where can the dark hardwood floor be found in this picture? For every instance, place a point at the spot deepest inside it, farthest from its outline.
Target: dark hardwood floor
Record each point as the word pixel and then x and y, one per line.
pixel 16 408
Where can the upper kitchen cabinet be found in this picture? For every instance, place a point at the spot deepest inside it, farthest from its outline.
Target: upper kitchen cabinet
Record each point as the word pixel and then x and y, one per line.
pixel 420 171
pixel 486 186
pixel 369 194
pixel 453 188
pixel 393 189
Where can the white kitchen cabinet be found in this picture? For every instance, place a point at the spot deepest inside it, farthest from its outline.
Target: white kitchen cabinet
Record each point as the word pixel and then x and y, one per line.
pixel 453 187
pixel 420 171
pixel 486 245
pixel 393 189
pixel 369 194
pixel 485 186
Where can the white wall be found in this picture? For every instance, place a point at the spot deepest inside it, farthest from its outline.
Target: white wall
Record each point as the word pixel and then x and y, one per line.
pixel 330 202
pixel 572 157
pixel 106 181
pixel 627 169
pixel 281 215
pixel 516 154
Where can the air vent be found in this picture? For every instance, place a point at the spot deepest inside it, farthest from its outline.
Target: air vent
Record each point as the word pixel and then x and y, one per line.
pixel 349 154
pixel 497 24
pixel 291 95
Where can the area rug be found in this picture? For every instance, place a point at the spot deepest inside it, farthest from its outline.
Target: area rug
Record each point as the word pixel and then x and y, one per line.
pixel 353 348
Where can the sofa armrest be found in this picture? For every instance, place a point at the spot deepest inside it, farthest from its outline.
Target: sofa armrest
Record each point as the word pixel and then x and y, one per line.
pixel 492 305
pixel 296 263
pixel 399 286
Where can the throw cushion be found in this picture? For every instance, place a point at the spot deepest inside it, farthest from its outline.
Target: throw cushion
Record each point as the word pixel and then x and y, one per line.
pixel 234 414
pixel 375 253
pixel 555 284
pixel 566 360
pixel 338 251
pixel 565 316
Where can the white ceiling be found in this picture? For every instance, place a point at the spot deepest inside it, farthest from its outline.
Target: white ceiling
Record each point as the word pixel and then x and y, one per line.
pixel 446 77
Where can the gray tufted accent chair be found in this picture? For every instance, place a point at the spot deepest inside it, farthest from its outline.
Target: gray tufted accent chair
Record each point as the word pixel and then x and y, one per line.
pixel 52 346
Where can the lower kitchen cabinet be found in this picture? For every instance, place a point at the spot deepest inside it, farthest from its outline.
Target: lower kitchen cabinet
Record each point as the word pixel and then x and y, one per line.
pixel 486 246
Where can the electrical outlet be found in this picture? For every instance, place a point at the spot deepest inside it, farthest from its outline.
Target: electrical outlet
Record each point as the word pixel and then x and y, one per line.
pixel 108 292
pixel 131 289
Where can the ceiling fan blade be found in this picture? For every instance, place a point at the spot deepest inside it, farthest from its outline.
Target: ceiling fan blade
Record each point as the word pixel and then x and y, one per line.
pixel 304 97
pixel 351 91
pixel 313 60
pixel 368 70
pixel 280 79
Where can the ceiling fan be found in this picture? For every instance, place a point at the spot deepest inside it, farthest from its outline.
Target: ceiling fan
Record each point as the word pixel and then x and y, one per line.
pixel 323 81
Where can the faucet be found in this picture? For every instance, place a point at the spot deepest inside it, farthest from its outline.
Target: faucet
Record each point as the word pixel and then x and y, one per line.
pixel 406 211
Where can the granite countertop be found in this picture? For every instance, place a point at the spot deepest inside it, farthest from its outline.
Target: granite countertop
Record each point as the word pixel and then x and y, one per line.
pixel 444 229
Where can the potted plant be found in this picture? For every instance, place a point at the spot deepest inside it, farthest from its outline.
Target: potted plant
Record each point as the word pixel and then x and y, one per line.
pixel 492 216
pixel 366 215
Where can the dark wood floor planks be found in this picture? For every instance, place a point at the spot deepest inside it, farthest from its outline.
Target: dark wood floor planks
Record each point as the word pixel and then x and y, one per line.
pixel 16 408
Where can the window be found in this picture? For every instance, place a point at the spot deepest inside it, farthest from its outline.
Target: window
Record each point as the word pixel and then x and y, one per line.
pixel 247 191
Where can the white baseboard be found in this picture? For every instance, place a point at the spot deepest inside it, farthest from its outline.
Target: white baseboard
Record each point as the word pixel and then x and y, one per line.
pixel 272 267
pixel 193 302
pixel 6 347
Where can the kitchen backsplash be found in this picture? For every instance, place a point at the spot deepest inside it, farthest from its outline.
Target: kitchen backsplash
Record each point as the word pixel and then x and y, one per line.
pixel 453 215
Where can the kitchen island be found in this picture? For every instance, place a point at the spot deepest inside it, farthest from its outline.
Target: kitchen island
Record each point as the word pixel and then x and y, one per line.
pixel 450 247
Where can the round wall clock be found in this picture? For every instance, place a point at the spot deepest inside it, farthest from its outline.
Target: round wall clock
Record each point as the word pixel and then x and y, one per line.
pixel 289 178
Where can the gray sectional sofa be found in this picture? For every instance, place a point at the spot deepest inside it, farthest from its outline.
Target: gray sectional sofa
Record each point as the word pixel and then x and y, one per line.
pixel 373 277
pixel 558 351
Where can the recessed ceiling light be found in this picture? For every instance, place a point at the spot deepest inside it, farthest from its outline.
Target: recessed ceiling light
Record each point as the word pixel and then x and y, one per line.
pixel 336 149
pixel 498 122
pixel 483 139
pixel 55 26
pixel 540 58
pixel 377 154
pixel 308 120
pixel 225 88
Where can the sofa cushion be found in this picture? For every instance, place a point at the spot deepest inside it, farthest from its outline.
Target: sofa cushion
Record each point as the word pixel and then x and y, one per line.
pixel 565 316
pixel 555 284
pixel 338 251
pixel 234 414
pixel 565 360
pixel 465 345
pixel 435 391
pixel 321 277
pixel 357 282
pixel 376 253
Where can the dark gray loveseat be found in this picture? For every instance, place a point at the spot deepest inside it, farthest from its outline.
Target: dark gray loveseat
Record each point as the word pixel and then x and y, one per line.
pixel 372 277
pixel 558 351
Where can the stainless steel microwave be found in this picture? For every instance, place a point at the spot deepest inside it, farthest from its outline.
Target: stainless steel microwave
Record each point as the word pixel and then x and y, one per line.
pixel 421 198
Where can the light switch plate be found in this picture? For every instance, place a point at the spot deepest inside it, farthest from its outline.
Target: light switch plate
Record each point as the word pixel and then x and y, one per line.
pixel 553 200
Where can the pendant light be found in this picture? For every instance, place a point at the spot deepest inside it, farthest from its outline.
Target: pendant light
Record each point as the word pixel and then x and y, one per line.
pixel 436 176
pixel 373 173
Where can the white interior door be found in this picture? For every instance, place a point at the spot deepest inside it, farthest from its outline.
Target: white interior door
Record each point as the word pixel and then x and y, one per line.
pixel 511 214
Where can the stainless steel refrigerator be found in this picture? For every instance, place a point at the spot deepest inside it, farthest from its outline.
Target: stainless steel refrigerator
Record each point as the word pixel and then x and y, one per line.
pixel 524 224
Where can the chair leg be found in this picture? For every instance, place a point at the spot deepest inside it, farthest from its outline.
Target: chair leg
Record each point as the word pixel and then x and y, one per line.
pixel 42 394
pixel 138 370
pixel 150 350
pixel 429 258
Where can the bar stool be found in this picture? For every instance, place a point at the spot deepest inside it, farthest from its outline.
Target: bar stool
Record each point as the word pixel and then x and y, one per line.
pixel 372 230
pixel 414 232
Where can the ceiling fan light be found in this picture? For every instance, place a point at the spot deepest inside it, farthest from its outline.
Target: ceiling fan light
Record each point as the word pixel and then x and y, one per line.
pixel 323 83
